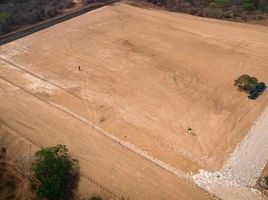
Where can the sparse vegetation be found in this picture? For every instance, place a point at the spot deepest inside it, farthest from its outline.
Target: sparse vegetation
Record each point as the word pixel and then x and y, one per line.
pixel 221 3
pixel 248 5
pixel 262 185
pixel 263 182
pixel 55 174
pixel 238 10
pixel 266 181
pixel 246 83
pixel 15 13
pixel 5 22
pixel 13 183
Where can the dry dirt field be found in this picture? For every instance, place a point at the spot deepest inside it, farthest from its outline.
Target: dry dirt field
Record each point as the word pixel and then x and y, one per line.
pixel 146 77
pixel 13 184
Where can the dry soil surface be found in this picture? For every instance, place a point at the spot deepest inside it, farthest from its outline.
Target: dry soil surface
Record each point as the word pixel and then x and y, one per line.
pixel 146 77
pixel 13 183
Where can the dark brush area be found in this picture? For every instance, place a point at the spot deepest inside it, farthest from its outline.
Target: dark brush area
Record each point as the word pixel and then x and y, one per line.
pixel 236 10
pixel 17 13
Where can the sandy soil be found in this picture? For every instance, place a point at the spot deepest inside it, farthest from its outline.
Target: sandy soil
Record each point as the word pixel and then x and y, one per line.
pixel 28 123
pixel 147 86
pixel 147 76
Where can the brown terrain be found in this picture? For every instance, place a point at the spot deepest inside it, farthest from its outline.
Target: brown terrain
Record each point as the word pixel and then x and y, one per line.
pixel 147 77
pixel 264 174
pixel 265 170
pixel 13 183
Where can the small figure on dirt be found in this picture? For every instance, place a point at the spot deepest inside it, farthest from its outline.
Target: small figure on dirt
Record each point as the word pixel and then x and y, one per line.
pixel 190 131
pixel 79 68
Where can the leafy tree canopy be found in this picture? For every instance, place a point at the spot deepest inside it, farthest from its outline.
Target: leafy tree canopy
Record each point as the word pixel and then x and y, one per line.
pixel 54 175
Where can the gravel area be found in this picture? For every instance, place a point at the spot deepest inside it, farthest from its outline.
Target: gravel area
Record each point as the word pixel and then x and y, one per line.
pixel 241 171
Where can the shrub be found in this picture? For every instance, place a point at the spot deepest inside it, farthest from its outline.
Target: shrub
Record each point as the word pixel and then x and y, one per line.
pixel 263 182
pixel 263 5
pixel 221 3
pixel 21 12
pixel 54 173
pixel 248 5
pixel 212 5
pixel 266 180
pixel 5 22
pixel 246 83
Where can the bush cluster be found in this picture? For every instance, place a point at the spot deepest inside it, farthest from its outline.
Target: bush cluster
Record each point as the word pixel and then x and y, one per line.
pixel 55 175
pixel 263 182
pixel 246 83
pixel 250 85
pixel 222 9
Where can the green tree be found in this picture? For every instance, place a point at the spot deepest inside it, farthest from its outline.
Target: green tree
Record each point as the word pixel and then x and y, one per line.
pixel 55 175
pixel 248 5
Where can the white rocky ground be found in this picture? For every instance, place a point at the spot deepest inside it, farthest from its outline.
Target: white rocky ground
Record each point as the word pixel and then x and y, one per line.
pixel 241 171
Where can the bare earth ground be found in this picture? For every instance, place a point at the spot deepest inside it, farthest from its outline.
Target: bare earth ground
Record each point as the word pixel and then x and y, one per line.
pixel 265 170
pixel 30 123
pixel 13 184
pixel 146 77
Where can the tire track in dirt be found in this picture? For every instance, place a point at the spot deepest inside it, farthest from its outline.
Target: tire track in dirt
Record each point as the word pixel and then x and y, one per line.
pixel 101 186
pixel 37 76
pixel 28 139
pixel 98 62
pixel 92 117
pixel 122 143
pixel 118 29
pixel 40 146
pixel 125 144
